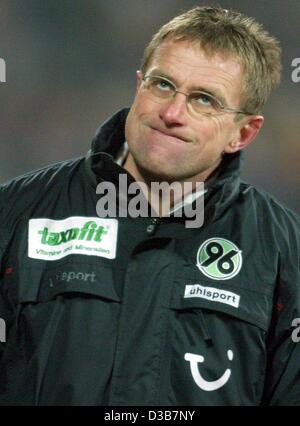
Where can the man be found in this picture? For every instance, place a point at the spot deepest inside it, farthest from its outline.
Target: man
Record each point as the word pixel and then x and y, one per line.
pixel 145 310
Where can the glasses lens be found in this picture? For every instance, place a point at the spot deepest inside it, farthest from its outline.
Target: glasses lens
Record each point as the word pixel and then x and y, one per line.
pixel 203 103
pixel 159 87
pixel 199 102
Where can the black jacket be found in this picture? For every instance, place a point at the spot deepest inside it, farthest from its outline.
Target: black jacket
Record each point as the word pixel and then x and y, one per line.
pixel 102 311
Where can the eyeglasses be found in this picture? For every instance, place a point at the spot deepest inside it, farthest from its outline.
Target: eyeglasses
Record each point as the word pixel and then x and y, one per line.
pixel 161 89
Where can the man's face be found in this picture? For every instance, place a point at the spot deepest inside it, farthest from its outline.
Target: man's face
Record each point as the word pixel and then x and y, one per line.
pixel 165 141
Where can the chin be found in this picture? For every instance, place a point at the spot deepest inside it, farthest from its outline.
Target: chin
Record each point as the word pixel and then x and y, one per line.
pixel 156 173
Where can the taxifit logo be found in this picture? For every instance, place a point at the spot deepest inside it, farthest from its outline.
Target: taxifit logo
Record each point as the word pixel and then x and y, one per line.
pixel 2 331
pixel 2 71
pixel 51 239
pixel 160 199
pixel 88 232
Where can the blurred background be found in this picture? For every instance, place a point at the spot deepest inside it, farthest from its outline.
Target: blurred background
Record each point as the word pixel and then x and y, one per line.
pixel 71 63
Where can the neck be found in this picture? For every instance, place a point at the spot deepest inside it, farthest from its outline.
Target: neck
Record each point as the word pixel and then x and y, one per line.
pixel 157 191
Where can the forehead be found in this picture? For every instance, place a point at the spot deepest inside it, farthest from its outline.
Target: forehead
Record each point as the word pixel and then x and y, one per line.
pixel 189 65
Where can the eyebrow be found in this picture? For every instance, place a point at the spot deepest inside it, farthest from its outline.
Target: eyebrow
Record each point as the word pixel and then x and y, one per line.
pixel 214 93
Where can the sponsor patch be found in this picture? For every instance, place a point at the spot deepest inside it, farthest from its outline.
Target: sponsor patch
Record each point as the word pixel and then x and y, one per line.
pixel 213 294
pixel 50 239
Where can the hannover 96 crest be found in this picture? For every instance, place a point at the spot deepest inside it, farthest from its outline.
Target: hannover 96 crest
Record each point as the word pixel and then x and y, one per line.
pixel 219 259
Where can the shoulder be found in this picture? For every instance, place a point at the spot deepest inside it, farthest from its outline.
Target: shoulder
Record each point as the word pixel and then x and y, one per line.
pixel 40 178
pixel 268 205
pixel 26 192
pixel 279 224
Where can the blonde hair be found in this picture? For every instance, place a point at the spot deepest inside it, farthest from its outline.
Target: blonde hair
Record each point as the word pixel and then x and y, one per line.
pixel 234 35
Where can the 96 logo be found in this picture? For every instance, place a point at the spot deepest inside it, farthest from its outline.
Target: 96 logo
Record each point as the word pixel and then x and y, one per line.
pixel 219 259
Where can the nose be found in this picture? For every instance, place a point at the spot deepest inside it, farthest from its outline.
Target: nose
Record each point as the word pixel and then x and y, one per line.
pixel 174 112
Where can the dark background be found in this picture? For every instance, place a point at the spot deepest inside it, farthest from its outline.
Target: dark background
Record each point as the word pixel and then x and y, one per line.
pixel 70 64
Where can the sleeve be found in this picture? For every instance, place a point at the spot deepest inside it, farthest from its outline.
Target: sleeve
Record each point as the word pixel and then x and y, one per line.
pixel 282 384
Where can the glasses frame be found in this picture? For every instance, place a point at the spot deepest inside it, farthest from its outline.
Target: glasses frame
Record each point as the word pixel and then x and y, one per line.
pixel 222 107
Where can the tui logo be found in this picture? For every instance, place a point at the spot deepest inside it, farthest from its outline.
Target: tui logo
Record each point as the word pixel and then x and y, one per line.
pixel 203 384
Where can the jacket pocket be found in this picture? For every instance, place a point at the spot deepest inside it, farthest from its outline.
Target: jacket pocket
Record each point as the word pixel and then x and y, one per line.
pixel 62 342
pixel 246 305
pixel 67 280
pixel 216 344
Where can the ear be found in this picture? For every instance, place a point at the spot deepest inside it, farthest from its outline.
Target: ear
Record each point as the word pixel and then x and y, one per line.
pixel 139 76
pixel 246 134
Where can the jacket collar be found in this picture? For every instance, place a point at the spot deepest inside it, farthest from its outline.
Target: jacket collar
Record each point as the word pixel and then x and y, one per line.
pixel 109 136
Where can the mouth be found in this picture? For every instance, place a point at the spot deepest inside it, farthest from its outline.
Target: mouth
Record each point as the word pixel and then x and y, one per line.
pixel 169 136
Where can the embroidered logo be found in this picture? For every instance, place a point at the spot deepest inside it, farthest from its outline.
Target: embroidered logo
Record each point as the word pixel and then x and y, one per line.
pixel 219 259
pixel 50 239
